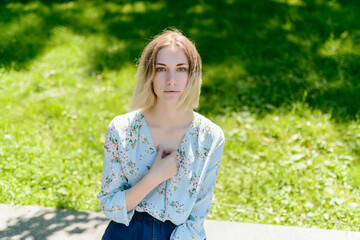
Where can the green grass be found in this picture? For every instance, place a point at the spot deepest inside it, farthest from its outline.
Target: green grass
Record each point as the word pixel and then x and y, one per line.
pixel 294 168
pixel 280 78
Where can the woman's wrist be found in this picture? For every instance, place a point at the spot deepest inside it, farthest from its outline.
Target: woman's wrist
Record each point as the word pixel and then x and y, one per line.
pixel 137 193
pixel 151 177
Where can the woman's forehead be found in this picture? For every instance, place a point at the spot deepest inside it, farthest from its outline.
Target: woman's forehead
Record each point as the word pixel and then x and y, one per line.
pixel 171 55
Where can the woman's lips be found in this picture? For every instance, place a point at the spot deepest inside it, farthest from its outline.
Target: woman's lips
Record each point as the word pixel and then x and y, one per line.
pixel 171 91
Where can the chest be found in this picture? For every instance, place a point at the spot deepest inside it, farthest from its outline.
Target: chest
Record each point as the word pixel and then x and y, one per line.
pixel 168 139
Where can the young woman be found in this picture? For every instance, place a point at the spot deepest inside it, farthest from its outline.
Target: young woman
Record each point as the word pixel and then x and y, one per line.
pixel 161 159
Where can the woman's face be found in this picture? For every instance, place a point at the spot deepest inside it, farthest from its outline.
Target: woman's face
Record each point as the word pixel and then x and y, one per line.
pixel 171 74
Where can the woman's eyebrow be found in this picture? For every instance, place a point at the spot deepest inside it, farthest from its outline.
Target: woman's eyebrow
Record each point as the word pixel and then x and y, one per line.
pixel 179 64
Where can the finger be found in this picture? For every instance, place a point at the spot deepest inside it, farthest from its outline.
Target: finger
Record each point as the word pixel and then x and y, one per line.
pixel 160 149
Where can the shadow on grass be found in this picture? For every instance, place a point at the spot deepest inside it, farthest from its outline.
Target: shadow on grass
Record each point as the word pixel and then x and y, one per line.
pixel 45 223
pixel 256 54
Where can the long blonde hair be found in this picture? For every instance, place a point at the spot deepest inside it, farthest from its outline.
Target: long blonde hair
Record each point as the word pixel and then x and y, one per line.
pixel 144 95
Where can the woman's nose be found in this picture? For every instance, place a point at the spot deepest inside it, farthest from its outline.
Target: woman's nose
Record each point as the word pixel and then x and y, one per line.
pixel 171 78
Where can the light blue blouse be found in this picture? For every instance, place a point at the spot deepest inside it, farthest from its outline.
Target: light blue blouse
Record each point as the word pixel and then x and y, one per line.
pixel 184 199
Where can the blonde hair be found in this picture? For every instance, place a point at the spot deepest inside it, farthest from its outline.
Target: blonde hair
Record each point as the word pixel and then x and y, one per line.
pixel 144 95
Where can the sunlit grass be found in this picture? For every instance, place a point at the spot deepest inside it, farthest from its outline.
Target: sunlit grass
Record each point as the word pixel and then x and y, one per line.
pixel 53 119
pixel 289 168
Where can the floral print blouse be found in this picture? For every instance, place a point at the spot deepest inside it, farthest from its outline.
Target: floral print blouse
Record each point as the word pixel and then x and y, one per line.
pixel 184 199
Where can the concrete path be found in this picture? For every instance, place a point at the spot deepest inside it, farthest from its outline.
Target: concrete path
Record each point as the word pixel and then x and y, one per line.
pixel 33 223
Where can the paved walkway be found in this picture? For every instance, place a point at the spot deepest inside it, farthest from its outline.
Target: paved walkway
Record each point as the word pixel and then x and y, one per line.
pixel 33 222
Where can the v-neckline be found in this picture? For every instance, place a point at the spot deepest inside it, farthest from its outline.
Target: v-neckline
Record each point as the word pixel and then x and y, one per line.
pixel 151 141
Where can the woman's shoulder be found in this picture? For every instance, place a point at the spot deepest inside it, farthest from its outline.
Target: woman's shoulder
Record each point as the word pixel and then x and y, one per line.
pixel 125 121
pixel 209 128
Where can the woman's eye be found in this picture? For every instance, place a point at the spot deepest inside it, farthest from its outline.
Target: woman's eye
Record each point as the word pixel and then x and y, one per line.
pixel 160 69
pixel 182 69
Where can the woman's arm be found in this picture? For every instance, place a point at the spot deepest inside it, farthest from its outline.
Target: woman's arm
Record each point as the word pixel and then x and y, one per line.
pixel 161 170
pixel 117 202
pixel 193 227
pixel 137 193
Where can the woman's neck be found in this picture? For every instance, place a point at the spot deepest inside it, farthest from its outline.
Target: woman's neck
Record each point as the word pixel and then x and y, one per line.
pixel 168 118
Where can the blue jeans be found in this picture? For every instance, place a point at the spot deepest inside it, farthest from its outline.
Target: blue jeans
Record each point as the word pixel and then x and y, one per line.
pixel 142 226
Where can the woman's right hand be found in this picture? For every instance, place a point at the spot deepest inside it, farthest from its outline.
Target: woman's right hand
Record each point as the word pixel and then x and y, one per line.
pixel 164 165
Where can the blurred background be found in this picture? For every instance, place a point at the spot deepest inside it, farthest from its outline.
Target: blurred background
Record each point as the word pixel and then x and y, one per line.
pixel 281 77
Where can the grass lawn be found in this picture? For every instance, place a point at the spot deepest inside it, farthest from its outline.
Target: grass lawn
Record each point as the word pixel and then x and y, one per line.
pixel 280 77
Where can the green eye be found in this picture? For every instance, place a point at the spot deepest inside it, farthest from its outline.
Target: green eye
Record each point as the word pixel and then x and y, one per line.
pixel 160 69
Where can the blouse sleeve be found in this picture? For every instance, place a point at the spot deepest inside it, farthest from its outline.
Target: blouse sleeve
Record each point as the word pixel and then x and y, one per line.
pixel 114 184
pixel 193 227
